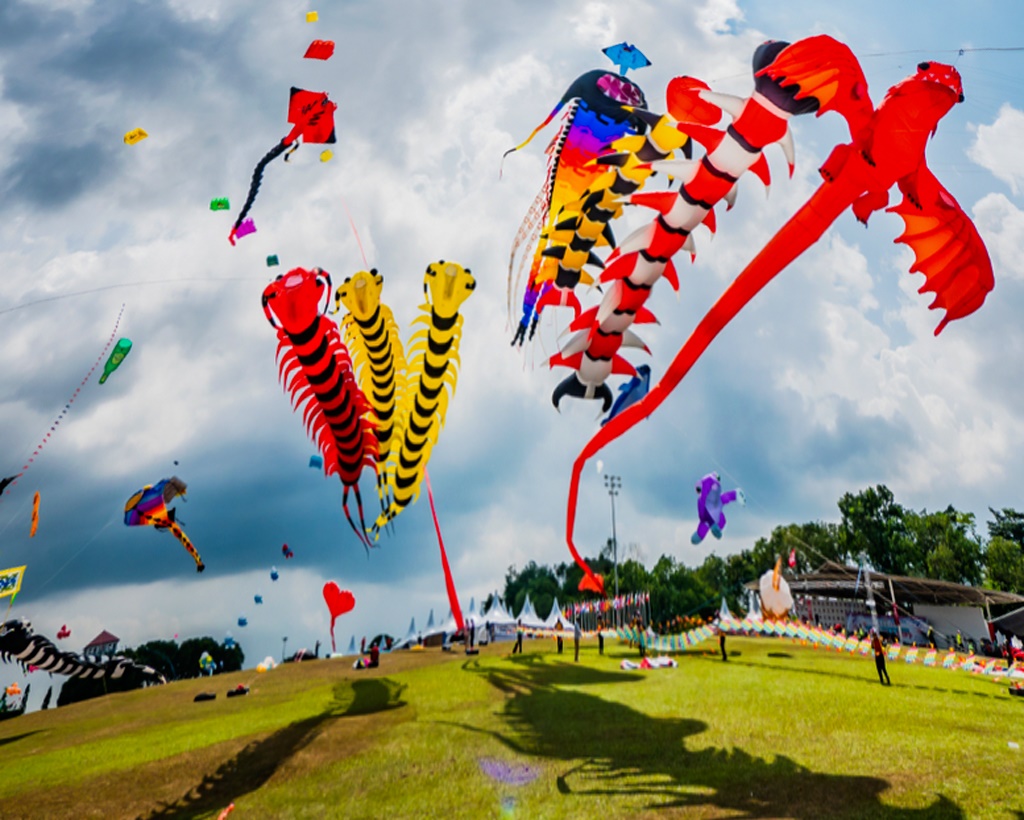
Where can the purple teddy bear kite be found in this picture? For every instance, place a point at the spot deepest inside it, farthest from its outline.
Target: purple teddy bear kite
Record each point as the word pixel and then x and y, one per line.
pixel 710 502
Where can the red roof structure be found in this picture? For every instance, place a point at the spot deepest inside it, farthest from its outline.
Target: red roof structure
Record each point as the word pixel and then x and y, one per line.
pixel 102 639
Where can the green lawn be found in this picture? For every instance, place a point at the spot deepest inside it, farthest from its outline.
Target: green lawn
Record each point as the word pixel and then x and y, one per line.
pixel 781 730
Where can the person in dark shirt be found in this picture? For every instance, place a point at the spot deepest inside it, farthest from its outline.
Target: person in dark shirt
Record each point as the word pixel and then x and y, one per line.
pixel 721 645
pixel 519 638
pixel 876 645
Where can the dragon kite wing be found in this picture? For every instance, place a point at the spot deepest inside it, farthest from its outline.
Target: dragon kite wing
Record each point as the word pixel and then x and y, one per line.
pixel 947 247
pixel 825 69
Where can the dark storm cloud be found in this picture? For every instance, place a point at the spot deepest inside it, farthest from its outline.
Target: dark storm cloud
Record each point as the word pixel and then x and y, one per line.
pixel 49 175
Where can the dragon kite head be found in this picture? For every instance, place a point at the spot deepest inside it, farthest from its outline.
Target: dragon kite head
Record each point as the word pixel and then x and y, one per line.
pixel 293 301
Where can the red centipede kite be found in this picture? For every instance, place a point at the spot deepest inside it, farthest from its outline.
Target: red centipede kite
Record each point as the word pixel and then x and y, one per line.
pixel 316 370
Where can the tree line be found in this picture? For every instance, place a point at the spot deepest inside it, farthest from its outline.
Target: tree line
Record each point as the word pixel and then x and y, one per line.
pixel 942 545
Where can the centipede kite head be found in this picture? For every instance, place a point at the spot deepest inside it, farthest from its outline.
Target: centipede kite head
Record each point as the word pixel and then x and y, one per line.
pixel 448 285
pixel 293 301
pixel 360 294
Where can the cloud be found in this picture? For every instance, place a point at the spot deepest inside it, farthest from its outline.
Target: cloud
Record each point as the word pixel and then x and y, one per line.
pixel 997 146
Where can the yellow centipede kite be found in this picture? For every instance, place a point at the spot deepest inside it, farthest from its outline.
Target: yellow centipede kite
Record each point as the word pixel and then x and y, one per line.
pixel 433 357
pixel 372 338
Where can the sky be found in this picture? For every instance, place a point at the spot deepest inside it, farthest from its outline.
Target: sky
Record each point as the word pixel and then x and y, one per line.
pixel 831 381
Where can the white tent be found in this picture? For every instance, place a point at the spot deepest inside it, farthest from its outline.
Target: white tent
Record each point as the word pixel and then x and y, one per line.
pixel 448 625
pixel 497 614
pixel 430 630
pixel 410 636
pixel 351 646
pixel 723 611
pixel 528 615
pixel 471 612
pixel 555 619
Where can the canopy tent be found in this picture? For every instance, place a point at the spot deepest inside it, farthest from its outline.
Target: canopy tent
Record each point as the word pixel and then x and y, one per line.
pixel 528 615
pixel 410 636
pixel 1012 623
pixel 723 612
pixel 497 614
pixel 351 646
pixel 555 619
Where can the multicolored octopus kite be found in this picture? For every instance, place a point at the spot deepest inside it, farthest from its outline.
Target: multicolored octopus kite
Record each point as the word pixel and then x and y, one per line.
pixel 887 148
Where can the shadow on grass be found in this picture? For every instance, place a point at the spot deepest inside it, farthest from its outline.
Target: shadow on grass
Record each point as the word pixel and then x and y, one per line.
pixel 871 680
pixel 256 763
pixel 633 755
pixel 4 741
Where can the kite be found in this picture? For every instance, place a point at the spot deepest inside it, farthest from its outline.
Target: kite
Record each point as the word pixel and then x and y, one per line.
pixel 220 204
pixel 598 113
pixel 19 643
pixel 776 599
pixel 371 334
pixel 630 393
pixel 286 552
pixel 320 50
pixel 13 690
pixel 311 115
pixel 326 155
pixel 433 357
pixel 148 506
pixel 339 601
pixel 312 16
pixel 35 516
pixel 710 501
pixel 626 56
pixel 10 581
pixel 134 136
pixel 316 462
pixel 316 370
pixel 272 260
pixel 229 642
pixel 243 621
pixel 274 574
pixel 206 663
pixel 121 349
pixel 63 633
pixel 258 599
pixel 5 481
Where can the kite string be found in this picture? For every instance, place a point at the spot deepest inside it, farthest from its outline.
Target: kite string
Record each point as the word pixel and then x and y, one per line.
pixel 71 400
pixel 355 233
pixel 73 557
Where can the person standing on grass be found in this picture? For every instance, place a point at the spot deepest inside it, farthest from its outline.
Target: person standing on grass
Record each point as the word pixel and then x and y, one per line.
pixel 721 644
pixel 576 639
pixel 600 637
pixel 519 638
pixel 876 645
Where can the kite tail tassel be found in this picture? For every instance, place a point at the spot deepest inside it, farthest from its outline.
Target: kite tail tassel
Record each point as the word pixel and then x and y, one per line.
pixel 254 185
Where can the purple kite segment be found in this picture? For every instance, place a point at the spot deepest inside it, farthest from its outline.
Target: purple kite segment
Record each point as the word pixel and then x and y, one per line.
pixel 247 227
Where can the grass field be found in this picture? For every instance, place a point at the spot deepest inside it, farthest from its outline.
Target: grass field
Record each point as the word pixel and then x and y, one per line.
pixel 781 730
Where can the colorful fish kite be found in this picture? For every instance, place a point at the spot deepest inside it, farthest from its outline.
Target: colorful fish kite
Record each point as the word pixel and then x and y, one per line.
pixel 311 115
pixel 148 507
pixel 121 349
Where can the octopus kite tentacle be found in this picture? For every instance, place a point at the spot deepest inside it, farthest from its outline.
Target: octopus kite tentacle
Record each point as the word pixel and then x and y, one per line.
pixel 433 355
pixel 316 370
pixel 19 643
pixel 372 337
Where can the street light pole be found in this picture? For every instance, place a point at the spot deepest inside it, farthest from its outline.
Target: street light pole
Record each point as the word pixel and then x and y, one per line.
pixel 614 484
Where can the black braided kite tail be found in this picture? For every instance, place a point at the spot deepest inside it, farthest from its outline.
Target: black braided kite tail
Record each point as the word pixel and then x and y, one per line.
pixel 257 179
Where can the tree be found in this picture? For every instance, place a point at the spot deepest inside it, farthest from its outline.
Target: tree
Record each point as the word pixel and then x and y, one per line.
pixel 1004 565
pixel 537 581
pixel 1009 524
pixel 945 546
pixel 873 523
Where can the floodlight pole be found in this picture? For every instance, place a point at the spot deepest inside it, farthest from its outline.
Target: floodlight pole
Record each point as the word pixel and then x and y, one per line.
pixel 614 484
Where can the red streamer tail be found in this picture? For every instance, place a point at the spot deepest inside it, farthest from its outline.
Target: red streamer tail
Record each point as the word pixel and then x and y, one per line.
pixel 453 597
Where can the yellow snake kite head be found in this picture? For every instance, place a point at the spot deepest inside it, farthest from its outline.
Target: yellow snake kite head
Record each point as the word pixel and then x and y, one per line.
pixel 447 285
pixel 360 293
